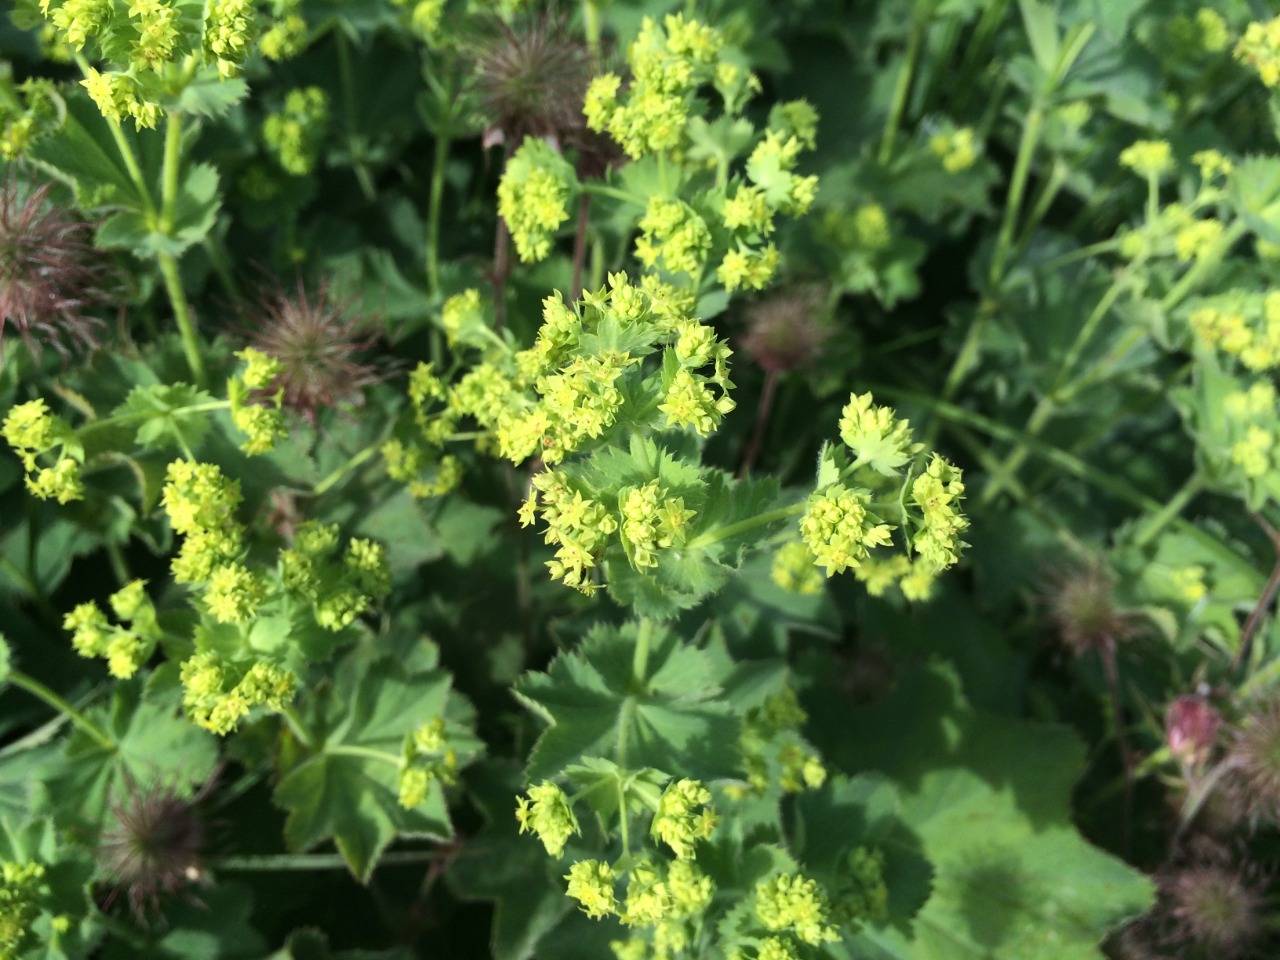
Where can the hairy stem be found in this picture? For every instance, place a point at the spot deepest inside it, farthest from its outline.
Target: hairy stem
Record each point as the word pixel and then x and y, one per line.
pixel 902 87
pixel 40 691
pixel 733 529
pixel 762 421
pixel 1017 188
pixel 182 314
pixel 580 244
pixel 435 201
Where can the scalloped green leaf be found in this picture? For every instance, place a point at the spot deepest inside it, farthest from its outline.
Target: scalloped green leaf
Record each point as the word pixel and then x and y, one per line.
pixel 667 717
pixel 347 789
pixel 990 799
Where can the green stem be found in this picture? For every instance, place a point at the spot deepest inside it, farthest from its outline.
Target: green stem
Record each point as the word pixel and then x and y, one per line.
pixel 1017 188
pixel 732 530
pixel 639 673
pixel 39 690
pixel 902 87
pixel 1047 404
pixel 433 211
pixel 169 175
pixel 365 753
pixel 290 862
pixel 182 313
pixel 349 111
pixel 217 252
pixel 298 728
pixel 640 660
pixel 622 819
pixel 147 415
pixel 1204 265
pixel 1060 458
pixel 123 147
pixel 613 193
pixel 591 27
pixel 1177 503
pixel 328 482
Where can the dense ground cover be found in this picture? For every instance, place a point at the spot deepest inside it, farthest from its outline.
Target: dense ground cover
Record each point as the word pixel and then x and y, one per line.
pixel 639 479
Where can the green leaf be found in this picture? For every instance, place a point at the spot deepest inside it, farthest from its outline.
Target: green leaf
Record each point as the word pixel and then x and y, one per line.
pixel 215 925
pixel 989 798
pixel 348 788
pixel 512 871
pixel 157 409
pixel 154 745
pixel 66 927
pixel 1041 22
pixel 669 717
pixel 195 212
pixel 828 825
pixel 84 155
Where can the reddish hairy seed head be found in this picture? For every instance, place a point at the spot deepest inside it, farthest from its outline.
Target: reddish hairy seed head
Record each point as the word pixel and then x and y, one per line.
pixel 785 331
pixel 531 77
pixel 50 273
pixel 154 848
pixel 1255 760
pixel 319 343
pixel 1214 907
pixel 1084 611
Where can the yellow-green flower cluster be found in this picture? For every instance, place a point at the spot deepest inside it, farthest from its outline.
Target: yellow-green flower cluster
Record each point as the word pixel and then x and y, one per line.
pixel 427 756
pixel 201 504
pixel 31 109
pixel 840 529
pixel 1152 159
pixel 294 134
pixel 578 403
pixel 534 196
pixel 689 400
pixel 773 751
pixel 33 431
pixel 577 526
pixel 287 35
pixel 673 235
pixel 662 900
pixel 1260 48
pixel 747 268
pixel 1246 327
pixel 771 167
pixel 1197 239
pixel 866 228
pixel 546 814
pixel 652 520
pixel 23 889
pixel 338 591
pixel 228 34
pixel 78 21
pixel 876 436
pixel 218 695
pixel 865 897
pixel 668 64
pixel 464 318
pixel 957 149
pixel 1251 415
pixel 125 649
pixel 774 188
pixel 684 817
pixel 424 17
pixel 156 23
pixel 591 884
pixel 914 578
pixel 796 904
pixel 937 493
pixel 118 96
pixel 794 569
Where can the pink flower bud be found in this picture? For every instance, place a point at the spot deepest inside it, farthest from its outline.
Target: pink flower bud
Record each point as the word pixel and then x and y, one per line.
pixel 1191 726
